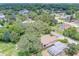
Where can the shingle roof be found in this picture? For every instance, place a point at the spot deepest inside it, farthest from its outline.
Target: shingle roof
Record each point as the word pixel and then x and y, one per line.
pixel 57 48
pixel 64 26
pixel 47 39
pixel 25 11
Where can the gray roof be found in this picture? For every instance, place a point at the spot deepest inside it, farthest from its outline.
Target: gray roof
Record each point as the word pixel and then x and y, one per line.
pixel 57 48
pixel 2 15
pixel 25 11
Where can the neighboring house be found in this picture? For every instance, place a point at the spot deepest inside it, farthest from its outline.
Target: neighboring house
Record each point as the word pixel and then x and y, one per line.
pixel 64 26
pixel 23 12
pixel 48 40
pixel 60 13
pixel 2 16
pixel 57 49
pixel 66 17
pixel 75 21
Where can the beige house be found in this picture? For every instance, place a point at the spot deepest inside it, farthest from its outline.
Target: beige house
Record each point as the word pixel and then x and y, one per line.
pixel 48 40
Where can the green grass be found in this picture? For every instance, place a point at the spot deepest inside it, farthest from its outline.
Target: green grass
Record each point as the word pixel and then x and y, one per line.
pixel 7 49
pixel 57 29
pixel 77 15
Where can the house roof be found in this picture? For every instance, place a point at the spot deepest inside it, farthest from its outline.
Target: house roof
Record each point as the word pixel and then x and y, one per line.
pixel 57 48
pixel 2 15
pixel 25 11
pixel 76 22
pixel 65 26
pixel 47 39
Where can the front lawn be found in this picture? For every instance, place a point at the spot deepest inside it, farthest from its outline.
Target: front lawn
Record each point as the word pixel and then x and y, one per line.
pixel 7 49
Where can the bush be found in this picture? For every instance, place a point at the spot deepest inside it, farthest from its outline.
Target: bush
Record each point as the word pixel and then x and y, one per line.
pixel 6 36
pixel 1 35
pixel 73 49
pixel 14 37
pixel 63 40
pixel 71 32
pixel 76 36
pixel 23 53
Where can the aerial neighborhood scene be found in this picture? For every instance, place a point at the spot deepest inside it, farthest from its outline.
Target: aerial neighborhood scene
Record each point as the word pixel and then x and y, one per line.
pixel 37 29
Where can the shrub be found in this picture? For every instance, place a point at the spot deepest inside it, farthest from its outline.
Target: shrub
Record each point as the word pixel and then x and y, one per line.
pixel 23 53
pixel 73 49
pixel 76 36
pixel 14 37
pixel 63 40
pixel 6 36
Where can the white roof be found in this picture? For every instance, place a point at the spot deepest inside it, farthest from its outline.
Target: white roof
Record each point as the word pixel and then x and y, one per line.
pixel 57 48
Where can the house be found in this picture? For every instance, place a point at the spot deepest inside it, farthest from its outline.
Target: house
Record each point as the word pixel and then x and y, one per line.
pixel 2 16
pixel 23 12
pixel 48 40
pixel 66 17
pixel 75 21
pixel 59 13
pixel 64 26
pixel 57 49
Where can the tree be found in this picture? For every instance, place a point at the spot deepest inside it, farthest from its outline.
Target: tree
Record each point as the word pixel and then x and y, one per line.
pixel 14 37
pixel 21 17
pixel 32 15
pixel 1 35
pixel 73 49
pixel 6 36
pixel 45 17
pixel 29 43
pixel 38 26
pixel 16 27
pixel 2 31
pixel 76 36
pixel 70 32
